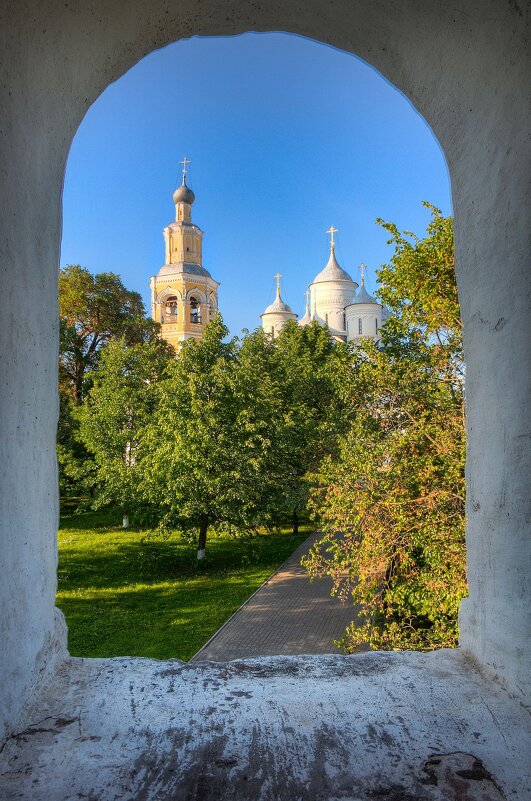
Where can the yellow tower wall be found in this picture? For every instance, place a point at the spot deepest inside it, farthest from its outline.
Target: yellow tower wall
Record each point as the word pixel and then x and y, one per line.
pixel 179 280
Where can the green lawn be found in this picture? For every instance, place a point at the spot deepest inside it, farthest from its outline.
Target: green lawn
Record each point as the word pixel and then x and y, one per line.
pixel 124 595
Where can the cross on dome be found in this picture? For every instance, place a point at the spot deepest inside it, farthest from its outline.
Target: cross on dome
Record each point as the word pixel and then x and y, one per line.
pixel 185 162
pixel 363 267
pixel 280 309
pixel 332 231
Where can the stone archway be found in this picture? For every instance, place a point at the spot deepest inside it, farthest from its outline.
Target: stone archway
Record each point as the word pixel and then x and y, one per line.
pixel 465 70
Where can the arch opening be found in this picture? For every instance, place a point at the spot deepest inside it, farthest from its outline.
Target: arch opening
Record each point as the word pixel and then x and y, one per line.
pixel 464 111
pixel 357 240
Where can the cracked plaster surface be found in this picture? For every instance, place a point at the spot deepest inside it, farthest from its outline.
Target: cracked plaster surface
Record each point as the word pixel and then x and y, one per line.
pixel 369 726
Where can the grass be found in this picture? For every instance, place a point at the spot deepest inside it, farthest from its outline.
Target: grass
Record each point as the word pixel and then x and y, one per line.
pixel 124 595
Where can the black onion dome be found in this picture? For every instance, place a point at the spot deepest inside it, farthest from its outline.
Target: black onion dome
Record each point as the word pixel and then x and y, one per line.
pixel 183 194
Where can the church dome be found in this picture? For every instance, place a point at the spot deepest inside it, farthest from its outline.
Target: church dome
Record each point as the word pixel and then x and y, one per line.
pixel 306 319
pixel 278 307
pixel 362 296
pixel 280 312
pixel 332 271
pixel 183 194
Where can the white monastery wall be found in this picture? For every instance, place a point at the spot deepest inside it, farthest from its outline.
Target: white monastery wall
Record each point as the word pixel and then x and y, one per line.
pixel 273 323
pixel 465 67
pixel 329 303
pixel 371 316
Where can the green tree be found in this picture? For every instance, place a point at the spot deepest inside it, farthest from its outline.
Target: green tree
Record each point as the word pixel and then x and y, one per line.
pixel 210 454
pixel 307 362
pixel 392 504
pixel 76 468
pixel 92 310
pixel 120 402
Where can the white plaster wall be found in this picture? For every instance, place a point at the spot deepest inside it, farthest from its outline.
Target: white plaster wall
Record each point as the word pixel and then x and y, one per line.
pixel 370 314
pixel 465 66
pixel 275 321
pixel 330 298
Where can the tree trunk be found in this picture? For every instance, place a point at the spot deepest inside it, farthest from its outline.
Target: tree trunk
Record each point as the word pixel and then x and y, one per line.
pixel 78 387
pixel 295 523
pixel 201 545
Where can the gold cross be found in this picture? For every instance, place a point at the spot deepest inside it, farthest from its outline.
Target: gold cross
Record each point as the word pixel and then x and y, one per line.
pixel 332 231
pixel 363 267
pixel 307 296
pixel 185 163
pixel 278 277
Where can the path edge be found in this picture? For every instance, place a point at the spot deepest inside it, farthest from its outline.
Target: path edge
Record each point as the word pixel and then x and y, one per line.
pixel 263 584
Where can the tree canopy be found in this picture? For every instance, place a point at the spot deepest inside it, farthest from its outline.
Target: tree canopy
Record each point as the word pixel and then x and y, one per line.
pixel 117 407
pixel 306 362
pixel 212 456
pixel 221 437
pixel 92 310
pixel 392 504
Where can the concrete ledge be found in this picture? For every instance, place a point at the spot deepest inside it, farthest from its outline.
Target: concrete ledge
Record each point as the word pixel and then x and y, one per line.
pixel 377 725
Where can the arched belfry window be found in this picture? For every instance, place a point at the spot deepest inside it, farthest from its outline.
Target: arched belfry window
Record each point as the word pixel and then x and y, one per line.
pixel 170 309
pixel 195 310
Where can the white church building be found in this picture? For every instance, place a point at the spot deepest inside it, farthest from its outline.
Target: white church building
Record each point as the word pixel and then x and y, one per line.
pixel 333 299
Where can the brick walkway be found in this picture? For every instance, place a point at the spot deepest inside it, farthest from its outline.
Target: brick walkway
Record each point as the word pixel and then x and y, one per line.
pixel 286 615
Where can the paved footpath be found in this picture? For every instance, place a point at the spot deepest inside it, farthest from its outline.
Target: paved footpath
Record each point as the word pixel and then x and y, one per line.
pixel 288 614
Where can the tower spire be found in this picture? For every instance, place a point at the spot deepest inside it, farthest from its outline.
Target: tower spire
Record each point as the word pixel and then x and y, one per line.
pixel 307 296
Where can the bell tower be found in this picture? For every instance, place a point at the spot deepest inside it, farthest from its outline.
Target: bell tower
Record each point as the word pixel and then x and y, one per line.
pixel 184 296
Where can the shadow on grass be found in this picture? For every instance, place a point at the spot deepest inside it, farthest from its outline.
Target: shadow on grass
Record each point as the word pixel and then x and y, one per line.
pixel 111 563
pixel 123 595
pixel 161 622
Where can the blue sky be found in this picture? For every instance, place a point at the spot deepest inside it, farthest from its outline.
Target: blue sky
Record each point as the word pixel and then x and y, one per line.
pixel 286 136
